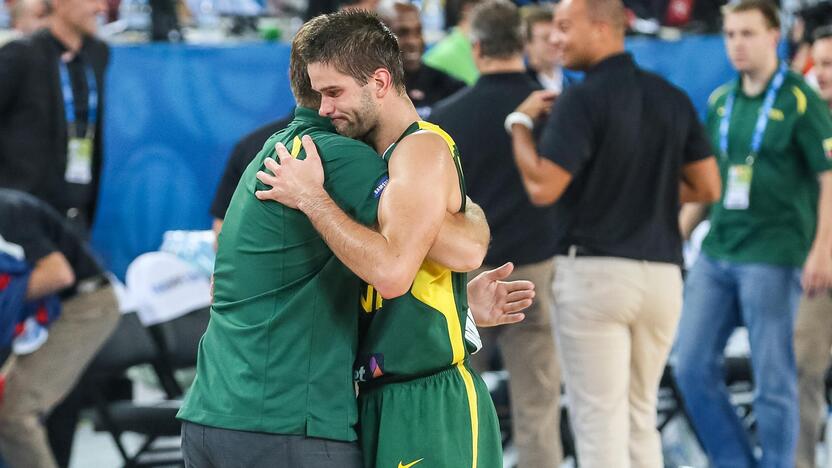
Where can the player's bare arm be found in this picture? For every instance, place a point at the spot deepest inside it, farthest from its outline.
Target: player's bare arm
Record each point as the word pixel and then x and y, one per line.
pixel 423 188
pixel 463 239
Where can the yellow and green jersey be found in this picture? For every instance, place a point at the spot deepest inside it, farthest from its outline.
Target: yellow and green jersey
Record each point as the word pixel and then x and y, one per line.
pixel 421 332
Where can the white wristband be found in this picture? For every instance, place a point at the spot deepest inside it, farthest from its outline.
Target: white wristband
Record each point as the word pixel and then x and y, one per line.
pixel 518 118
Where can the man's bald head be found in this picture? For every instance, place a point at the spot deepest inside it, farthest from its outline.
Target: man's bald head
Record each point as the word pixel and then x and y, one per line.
pixel 611 12
pixel 587 31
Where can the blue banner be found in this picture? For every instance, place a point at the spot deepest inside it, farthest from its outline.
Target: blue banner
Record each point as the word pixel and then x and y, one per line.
pixel 174 112
pixel 697 64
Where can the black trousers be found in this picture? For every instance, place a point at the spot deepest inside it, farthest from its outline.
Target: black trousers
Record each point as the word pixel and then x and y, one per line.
pixel 211 447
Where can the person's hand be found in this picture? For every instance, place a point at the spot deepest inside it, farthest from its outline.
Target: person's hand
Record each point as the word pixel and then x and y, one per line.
pixel 294 180
pixel 495 302
pixel 537 104
pixel 817 273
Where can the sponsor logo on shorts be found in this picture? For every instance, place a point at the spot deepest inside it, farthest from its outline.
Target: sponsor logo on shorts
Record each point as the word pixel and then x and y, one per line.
pixel 402 465
pixel 372 370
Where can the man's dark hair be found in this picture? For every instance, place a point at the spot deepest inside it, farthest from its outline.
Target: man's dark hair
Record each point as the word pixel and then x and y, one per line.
pixel 535 14
pixel 356 43
pixel 765 7
pixel 823 32
pixel 496 26
pixel 298 76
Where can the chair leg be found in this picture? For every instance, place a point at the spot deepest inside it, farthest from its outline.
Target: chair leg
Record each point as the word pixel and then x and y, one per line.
pixel 107 421
pixel 134 461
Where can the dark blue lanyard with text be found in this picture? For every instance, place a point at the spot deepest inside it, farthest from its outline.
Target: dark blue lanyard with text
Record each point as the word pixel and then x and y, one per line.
pixel 762 117
pixel 69 101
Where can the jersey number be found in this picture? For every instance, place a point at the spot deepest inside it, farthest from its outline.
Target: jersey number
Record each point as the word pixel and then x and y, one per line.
pixel 371 300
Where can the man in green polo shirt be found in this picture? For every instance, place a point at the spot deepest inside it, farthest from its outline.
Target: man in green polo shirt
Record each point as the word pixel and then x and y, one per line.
pixel 773 135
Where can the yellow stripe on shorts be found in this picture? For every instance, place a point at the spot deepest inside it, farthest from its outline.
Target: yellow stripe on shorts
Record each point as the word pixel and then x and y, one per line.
pixel 472 407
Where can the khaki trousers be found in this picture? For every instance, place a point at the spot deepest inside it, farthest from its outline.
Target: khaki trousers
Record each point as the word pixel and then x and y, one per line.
pixel 615 323
pixel 39 381
pixel 812 344
pixel 528 351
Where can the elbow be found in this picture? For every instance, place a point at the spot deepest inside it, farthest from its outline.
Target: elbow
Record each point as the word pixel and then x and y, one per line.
pixel 540 195
pixel 390 289
pixel 474 255
pixel 473 259
pixel 64 278
pixel 393 283
pixel 711 191
pixel 714 192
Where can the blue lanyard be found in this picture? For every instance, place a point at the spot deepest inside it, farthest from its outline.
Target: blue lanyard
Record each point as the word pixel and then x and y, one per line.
pixel 69 100
pixel 762 116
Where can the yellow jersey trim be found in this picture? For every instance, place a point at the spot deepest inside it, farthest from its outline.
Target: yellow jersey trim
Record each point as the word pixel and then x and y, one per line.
pixel 429 127
pixel 296 147
pixel 801 100
pixel 433 286
pixel 718 93
pixel 472 407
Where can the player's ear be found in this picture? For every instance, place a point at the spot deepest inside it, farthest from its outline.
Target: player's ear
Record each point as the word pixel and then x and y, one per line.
pixel 382 81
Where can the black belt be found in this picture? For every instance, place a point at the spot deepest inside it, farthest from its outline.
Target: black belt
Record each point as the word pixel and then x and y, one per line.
pixel 582 251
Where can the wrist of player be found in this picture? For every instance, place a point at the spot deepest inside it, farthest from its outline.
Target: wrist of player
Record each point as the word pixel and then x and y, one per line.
pixel 312 199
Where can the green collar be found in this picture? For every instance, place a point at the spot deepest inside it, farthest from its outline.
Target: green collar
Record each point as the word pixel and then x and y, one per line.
pixel 311 117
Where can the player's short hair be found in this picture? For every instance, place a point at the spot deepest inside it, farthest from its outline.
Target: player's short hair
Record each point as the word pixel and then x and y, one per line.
pixel 356 43
pixel 765 7
pixel 298 76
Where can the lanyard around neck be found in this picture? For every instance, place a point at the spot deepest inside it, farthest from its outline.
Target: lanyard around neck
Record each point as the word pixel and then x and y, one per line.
pixel 69 100
pixel 762 116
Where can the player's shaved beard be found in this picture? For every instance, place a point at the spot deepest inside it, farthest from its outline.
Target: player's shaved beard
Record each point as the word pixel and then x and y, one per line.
pixel 364 120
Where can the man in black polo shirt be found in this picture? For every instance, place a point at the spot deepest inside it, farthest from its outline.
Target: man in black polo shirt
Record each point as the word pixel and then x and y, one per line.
pixel 620 151
pixel 521 232
pixel 61 263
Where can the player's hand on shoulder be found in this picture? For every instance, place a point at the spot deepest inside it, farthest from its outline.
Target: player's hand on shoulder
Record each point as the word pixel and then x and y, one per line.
pixel 292 181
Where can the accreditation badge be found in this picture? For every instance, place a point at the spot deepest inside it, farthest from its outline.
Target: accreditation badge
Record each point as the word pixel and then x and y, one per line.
pixel 79 161
pixel 738 189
